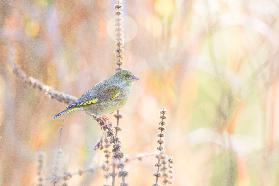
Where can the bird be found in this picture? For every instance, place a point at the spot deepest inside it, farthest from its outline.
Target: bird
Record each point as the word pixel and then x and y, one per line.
pixel 105 97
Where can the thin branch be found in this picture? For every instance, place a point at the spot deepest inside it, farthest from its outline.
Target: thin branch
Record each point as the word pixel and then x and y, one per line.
pixel 37 84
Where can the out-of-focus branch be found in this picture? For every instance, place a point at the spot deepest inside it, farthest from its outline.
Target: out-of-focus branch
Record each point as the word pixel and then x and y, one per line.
pixel 36 84
pixel 69 175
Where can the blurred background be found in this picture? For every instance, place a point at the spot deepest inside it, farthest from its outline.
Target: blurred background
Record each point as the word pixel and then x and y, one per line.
pixel 212 64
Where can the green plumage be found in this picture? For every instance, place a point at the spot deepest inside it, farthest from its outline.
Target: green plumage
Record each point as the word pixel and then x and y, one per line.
pixel 106 96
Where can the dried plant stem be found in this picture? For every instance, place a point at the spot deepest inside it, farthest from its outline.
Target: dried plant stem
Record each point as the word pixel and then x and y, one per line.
pixel 106 166
pixel 164 164
pixel 117 128
pixel 117 158
pixel 160 148
pixel 113 174
pixel 118 162
pixel 167 170
pixel 157 174
pixel 164 169
pixel 170 170
pixel 119 33
pixel 36 84
pixel 106 127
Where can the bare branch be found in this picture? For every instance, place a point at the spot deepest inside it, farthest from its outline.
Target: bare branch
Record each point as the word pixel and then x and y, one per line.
pixel 36 84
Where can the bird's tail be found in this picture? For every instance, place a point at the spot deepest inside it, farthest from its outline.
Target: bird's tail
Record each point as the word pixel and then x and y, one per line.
pixel 67 110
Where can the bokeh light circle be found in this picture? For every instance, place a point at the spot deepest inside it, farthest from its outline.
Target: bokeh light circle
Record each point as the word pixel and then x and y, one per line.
pixel 129 26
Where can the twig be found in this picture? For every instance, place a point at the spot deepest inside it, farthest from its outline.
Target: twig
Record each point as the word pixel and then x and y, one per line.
pixel 36 84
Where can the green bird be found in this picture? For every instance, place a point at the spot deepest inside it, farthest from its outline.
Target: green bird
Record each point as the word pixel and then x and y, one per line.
pixel 105 97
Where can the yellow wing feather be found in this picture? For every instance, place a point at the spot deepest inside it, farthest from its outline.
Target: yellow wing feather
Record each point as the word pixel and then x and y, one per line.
pixel 115 96
pixel 89 102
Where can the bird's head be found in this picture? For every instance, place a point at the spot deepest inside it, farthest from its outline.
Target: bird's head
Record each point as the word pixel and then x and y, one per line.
pixel 126 75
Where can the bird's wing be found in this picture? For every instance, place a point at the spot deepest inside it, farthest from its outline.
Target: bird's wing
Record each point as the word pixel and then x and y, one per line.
pixel 109 93
pixel 101 94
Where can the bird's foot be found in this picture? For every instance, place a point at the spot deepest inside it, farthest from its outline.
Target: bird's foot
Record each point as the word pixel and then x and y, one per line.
pixel 103 119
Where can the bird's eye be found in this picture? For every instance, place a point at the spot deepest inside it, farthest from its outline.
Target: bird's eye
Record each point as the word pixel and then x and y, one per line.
pixel 127 75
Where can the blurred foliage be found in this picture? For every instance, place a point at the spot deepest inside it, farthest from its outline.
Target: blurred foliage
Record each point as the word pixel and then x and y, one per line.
pixel 224 170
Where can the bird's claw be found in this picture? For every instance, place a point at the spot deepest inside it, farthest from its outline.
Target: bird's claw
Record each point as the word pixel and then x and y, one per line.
pixel 103 119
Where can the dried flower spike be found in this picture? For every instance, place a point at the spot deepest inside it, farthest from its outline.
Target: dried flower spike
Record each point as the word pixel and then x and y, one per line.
pixel 118 166
pixel 170 170
pixel 161 163
pixel 106 165
pixel 119 34
pixel 164 169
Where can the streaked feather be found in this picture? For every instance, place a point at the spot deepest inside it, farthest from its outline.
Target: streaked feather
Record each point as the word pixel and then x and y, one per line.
pixel 105 97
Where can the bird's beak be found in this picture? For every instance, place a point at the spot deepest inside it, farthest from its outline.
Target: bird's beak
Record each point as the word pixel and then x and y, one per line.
pixel 135 78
